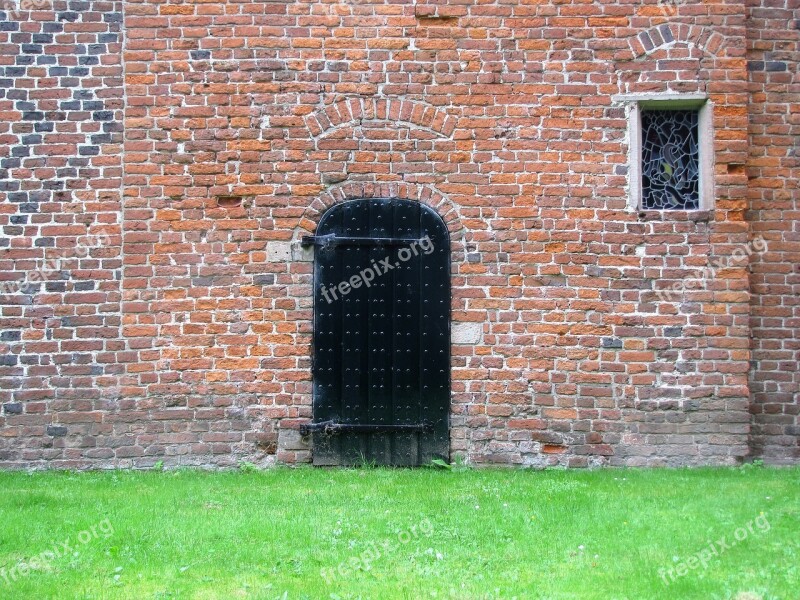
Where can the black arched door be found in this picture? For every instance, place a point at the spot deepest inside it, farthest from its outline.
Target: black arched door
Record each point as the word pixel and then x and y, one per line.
pixel 381 346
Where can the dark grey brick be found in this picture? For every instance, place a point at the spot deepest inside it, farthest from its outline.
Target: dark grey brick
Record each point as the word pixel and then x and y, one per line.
pixel 776 65
pixel 691 405
pixel 38 195
pixel 266 279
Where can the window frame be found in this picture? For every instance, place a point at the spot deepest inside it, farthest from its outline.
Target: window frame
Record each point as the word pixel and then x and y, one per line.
pixel 705 139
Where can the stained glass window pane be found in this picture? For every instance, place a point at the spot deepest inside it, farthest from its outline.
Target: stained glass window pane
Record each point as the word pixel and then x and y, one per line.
pixel 670 160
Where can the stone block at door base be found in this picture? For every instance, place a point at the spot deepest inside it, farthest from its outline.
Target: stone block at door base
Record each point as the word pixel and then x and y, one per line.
pixel 291 440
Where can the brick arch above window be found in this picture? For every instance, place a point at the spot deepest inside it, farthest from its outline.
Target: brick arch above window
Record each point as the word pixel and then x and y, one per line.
pixel 668 34
pixel 424 194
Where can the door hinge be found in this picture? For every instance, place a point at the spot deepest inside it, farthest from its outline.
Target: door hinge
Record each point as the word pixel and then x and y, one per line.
pixel 333 240
pixel 332 428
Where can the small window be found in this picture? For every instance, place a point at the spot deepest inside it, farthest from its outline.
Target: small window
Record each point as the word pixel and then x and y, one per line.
pixel 671 152
pixel 670 160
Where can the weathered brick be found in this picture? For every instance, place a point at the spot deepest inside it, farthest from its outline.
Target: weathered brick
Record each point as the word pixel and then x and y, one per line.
pixel 773 191
pixel 163 281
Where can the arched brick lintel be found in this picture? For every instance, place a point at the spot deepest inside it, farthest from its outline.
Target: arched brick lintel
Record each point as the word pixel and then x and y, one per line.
pixel 424 194
pixel 660 36
pixel 352 110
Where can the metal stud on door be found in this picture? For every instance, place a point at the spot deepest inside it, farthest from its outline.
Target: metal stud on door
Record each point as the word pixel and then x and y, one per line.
pixel 381 334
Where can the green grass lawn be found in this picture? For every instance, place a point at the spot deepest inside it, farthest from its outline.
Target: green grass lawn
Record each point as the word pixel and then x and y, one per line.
pixel 381 533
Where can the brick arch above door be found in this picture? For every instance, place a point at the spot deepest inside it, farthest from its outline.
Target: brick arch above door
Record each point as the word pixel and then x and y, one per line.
pixel 425 194
pixel 353 110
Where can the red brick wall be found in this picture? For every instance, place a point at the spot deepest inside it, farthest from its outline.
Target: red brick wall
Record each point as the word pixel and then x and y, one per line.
pixel 504 111
pixel 774 171
pixel 245 120
pixel 61 90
